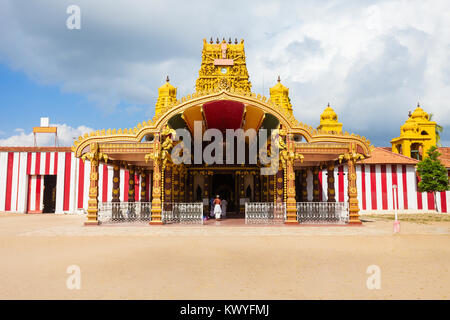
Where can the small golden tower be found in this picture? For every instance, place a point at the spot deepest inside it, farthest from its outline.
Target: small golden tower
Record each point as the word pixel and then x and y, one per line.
pixel 167 94
pixel 329 121
pixel 417 135
pixel 279 94
pixel 223 67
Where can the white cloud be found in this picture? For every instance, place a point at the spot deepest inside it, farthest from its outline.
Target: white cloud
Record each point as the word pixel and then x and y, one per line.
pixel 66 137
pixel 372 60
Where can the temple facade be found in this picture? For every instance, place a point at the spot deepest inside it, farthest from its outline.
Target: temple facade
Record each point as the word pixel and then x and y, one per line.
pixel 320 174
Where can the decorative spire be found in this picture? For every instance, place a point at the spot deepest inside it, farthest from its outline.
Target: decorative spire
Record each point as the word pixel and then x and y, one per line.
pixel 167 94
pixel 279 94
pixel 329 120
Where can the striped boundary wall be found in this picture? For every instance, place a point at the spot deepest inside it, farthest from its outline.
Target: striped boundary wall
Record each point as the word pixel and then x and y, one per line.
pixel 22 184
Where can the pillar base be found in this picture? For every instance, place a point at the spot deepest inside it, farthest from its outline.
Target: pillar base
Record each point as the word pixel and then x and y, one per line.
pixel 291 222
pixel 156 223
pixel 92 223
pixel 355 222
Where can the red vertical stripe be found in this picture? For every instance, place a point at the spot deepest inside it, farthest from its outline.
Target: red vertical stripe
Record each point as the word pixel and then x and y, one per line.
pixel 373 187
pixel 320 185
pixel 56 163
pixel 363 186
pixel 405 188
pixel 37 165
pixel 80 184
pixel 395 204
pixel 341 183
pixel 430 196
pixel 105 183
pixel 66 202
pixel 443 201
pixel 419 195
pixel 38 194
pixel 384 201
pixel 29 191
pixel 47 162
pixel 127 184
pixel 9 175
pixel 28 163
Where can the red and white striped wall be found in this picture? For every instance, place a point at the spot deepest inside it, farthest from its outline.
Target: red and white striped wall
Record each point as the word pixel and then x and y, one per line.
pixel 375 188
pixel 22 173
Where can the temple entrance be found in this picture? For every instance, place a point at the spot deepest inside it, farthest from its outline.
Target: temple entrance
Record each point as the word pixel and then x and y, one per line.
pixel 49 194
pixel 224 185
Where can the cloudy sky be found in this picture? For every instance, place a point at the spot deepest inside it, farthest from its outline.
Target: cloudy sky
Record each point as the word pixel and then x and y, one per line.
pixel 372 60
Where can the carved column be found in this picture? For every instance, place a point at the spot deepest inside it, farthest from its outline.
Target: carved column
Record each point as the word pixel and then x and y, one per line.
pixel 206 194
pixel 316 185
pixel 182 184
pixel 191 187
pixel 144 195
pixel 176 184
pixel 304 174
pixel 131 185
pixel 330 179
pixel 241 176
pixel 279 186
pixel 92 215
pixel 167 187
pixel 116 183
pixel 156 190
pixel 257 181
pixel 352 193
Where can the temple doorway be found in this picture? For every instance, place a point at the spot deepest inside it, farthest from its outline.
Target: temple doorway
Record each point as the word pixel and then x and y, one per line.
pixel 49 194
pixel 224 185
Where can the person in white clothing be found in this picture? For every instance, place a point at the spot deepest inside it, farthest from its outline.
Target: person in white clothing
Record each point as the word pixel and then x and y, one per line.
pixel 217 209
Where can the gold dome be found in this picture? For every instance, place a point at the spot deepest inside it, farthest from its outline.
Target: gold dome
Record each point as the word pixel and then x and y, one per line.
pixel 329 121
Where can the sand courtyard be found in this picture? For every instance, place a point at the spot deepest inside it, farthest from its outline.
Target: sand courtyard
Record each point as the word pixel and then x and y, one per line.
pixel 214 261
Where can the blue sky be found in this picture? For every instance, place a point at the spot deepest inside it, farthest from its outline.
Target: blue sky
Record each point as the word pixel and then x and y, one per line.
pixel 372 60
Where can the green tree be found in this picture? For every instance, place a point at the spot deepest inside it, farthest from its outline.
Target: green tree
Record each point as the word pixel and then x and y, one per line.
pixel 433 174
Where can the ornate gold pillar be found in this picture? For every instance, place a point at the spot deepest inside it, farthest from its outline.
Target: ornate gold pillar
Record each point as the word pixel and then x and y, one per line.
pixel 316 185
pixel 331 194
pixel 157 176
pixel 291 204
pixel 206 195
pixel 116 183
pixel 352 156
pixel 353 207
pixel 94 156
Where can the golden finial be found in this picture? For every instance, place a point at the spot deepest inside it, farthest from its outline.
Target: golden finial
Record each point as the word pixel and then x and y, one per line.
pixel 167 79
pixel 211 41
pixel 278 80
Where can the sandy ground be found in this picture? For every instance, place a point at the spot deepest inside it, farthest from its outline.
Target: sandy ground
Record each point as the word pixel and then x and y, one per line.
pixel 221 262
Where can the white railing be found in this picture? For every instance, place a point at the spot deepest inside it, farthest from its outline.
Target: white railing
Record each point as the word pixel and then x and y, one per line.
pixel 112 212
pixel 265 213
pixel 183 212
pixel 322 212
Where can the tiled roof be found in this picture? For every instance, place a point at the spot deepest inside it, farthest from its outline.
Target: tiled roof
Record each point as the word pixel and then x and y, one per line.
pixel 445 156
pixel 381 155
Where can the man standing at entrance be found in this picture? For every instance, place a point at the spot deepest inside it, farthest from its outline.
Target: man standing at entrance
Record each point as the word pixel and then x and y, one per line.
pixel 217 209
